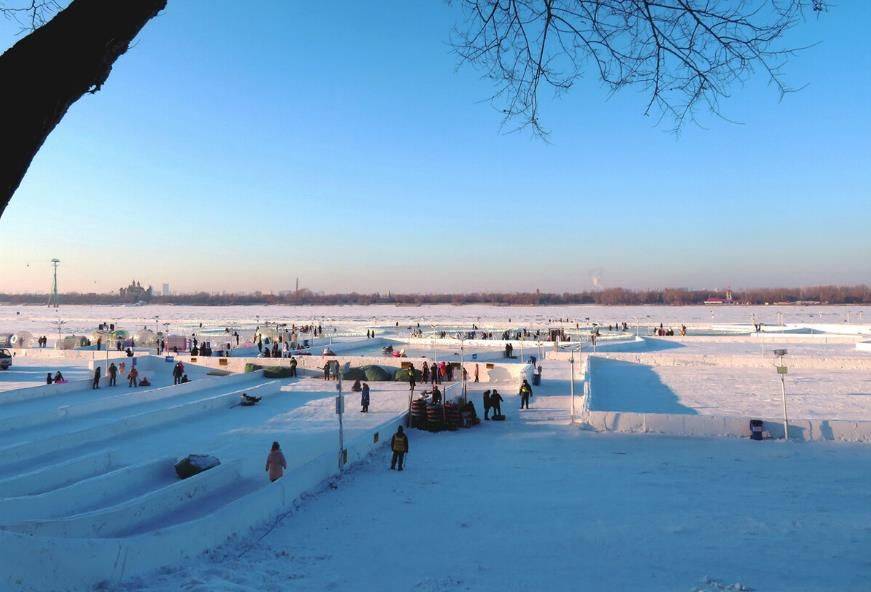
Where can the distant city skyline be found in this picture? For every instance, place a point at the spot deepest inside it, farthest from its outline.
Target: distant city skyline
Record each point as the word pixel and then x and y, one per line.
pixel 227 158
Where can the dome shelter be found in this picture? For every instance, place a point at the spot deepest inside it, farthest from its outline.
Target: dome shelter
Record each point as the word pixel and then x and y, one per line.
pixel 110 339
pixel 73 342
pixel 146 338
pixel 22 339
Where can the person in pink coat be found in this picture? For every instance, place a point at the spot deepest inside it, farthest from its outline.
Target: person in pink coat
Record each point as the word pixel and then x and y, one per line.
pixel 275 463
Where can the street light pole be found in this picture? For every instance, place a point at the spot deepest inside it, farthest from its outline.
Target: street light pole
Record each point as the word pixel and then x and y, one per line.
pixel 340 411
pixel 463 365
pixel 782 370
pixel 572 391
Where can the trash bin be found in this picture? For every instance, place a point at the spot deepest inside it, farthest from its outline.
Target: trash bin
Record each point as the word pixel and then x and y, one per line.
pixel 755 429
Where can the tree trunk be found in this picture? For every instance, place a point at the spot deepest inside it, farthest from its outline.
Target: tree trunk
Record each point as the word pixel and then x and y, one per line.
pixel 47 71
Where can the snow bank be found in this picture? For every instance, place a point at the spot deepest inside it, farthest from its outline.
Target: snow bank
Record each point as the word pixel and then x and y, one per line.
pixel 46 390
pixel 710 426
pixel 689 423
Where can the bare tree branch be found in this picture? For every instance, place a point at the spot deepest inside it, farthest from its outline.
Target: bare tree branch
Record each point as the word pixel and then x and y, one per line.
pixel 682 54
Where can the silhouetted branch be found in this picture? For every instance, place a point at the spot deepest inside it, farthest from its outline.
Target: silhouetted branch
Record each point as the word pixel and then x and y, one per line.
pixel 681 53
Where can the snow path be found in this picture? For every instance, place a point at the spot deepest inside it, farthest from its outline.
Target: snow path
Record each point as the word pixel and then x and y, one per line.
pixel 532 504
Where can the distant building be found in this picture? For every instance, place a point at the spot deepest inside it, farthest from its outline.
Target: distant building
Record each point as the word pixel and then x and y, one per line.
pixel 165 291
pixel 135 292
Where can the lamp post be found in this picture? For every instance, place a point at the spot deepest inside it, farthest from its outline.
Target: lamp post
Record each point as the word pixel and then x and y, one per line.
pixel 463 365
pixel 157 333
pixel 521 347
pixel 572 391
pixel 60 323
pixel 340 411
pixel 781 371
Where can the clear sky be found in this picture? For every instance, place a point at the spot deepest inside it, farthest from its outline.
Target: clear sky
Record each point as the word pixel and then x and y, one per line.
pixel 236 149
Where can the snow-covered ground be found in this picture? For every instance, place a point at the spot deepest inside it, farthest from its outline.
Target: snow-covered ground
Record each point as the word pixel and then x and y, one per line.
pixel 734 346
pixel 530 503
pixel 535 504
pixel 82 319
pixel 26 372
pixel 743 392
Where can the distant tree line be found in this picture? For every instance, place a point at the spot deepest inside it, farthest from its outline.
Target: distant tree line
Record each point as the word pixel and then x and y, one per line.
pixel 860 294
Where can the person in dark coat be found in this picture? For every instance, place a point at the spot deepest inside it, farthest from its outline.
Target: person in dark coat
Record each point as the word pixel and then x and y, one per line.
pixel 411 381
pixel 496 402
pixel 487 404
pixel 48 379
pixel 425 373
pixel 177 372
pixel 364 398
pixel 399 446
pixel 436 396
pixel 293 363
pixel 96 383
pixel 113 373
pixel 525 393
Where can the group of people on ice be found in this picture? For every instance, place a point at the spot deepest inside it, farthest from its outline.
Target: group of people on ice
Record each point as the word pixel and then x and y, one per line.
pixel 276 463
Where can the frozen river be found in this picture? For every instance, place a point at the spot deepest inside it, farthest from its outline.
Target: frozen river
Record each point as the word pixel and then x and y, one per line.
pixel 83 319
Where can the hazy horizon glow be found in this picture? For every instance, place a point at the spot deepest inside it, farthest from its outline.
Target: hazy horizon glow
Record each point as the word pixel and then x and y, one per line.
pixel 234 152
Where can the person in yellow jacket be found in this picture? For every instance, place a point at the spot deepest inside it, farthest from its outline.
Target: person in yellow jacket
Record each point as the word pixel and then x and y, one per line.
pixel 525 393
pixel 399 446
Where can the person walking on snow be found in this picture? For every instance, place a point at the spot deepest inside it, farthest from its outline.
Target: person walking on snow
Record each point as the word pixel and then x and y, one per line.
pixel 275 462
pixel 113 373
pixel 496 403
pixel 293 366
pixel 96 383
pixel 364 398
pixel 525 393
pixel 399 446
pixel 487 405
pixel 177 371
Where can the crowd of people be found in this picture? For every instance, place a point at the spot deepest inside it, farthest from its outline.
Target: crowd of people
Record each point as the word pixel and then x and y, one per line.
pixel 134 378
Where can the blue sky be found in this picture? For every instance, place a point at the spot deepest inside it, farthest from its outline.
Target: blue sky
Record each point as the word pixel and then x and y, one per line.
pixel 234 149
